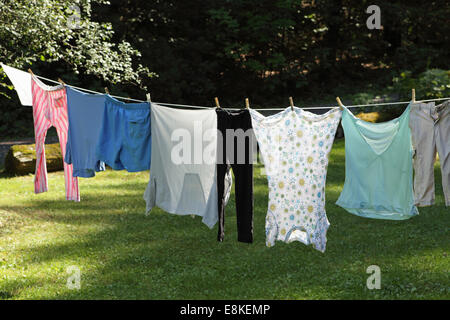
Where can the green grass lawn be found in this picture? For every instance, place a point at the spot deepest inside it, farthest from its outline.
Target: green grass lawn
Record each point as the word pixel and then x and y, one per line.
pixel 123 254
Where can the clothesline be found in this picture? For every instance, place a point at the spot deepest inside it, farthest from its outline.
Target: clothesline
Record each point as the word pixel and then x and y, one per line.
pixel 88 148
pixel 259 109
pixel 125 98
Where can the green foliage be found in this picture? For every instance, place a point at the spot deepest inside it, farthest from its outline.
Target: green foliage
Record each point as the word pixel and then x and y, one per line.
pixel 15 120
pixel 265 50
pixel 433 83
pixel 50 30
pixel 41 35
pixel 268 50
pixel 363 98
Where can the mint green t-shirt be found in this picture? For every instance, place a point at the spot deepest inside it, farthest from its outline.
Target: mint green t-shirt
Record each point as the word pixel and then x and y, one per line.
pixel 378 168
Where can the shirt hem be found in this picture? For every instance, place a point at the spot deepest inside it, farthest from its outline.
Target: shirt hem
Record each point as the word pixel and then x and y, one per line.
pixel 372 213
pixel 171 211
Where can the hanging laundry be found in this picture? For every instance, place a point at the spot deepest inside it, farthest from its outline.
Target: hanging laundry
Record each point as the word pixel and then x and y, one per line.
pixel 236 153
pixel 50 109
pixel 22 83
pixel 85 112
pixel 378 168
pixel 295 146
pixel 430 128
pixel 228 184
pixel 183 177
pixel 125 135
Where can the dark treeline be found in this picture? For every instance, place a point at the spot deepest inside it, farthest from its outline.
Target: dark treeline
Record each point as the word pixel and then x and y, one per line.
pixel 267 50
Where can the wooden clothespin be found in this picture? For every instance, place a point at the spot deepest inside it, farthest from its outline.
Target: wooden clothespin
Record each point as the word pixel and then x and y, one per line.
pixel 216 100
pixel 61 82
pixel 341 106
pixel 31 72
pixel 247 103
pixel 149 98
pixel 413 95
pixel 106 90
pixel 291 103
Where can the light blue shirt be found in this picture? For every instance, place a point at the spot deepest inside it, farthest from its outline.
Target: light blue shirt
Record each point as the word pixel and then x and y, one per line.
pixel 378 168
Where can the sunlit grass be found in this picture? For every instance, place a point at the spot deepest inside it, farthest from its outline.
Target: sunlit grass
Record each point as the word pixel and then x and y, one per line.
pixel 126 255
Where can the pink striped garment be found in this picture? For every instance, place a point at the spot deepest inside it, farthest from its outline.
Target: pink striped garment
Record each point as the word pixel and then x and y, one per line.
pixel 50 109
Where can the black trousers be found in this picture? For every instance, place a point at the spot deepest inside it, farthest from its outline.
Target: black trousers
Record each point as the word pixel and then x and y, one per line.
pixel 233 153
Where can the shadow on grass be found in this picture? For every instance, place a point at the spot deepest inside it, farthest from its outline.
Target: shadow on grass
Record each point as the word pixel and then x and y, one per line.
pixel 172 257
pixel 124 254
pixel 5 175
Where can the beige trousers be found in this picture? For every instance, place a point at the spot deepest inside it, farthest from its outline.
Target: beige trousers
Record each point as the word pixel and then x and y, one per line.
pixel 430 128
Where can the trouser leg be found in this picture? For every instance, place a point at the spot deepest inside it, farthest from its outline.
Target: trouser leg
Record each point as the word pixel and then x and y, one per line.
pixel 71 182
pixel 442 131
pixel 422 129
pixel 40 176
pixel 221 172
pixel 243 174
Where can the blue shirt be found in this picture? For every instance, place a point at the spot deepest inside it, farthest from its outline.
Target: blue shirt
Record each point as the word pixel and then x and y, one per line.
pixel 125 135
pixel 85 113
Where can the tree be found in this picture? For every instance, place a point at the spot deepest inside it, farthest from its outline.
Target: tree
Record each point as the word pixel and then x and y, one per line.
pixel 62 32
pixel 51 30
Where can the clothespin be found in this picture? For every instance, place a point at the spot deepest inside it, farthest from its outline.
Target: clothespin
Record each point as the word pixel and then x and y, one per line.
pixel 247 103
pixel 413 95
pixel 291 103
pixel 216 100
pixel 31 72
pixel 106 90
pixel 61 82
pixel 149 98
pixel 341 106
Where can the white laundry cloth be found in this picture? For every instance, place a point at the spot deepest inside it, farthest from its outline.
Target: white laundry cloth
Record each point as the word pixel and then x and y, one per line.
pixel 22 83
pixel 183 163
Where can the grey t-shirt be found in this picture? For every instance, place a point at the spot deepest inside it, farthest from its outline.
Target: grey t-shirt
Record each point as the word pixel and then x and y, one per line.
pixel 183 163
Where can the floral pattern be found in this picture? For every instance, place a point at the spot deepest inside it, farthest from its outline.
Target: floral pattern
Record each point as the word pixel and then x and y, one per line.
pixel 295 146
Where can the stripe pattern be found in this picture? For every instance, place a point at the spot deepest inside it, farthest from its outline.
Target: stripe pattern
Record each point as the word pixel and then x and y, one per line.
pixel 50 109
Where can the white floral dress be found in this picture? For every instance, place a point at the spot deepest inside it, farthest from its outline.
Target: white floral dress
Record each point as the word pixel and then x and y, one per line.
pixel 295 146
